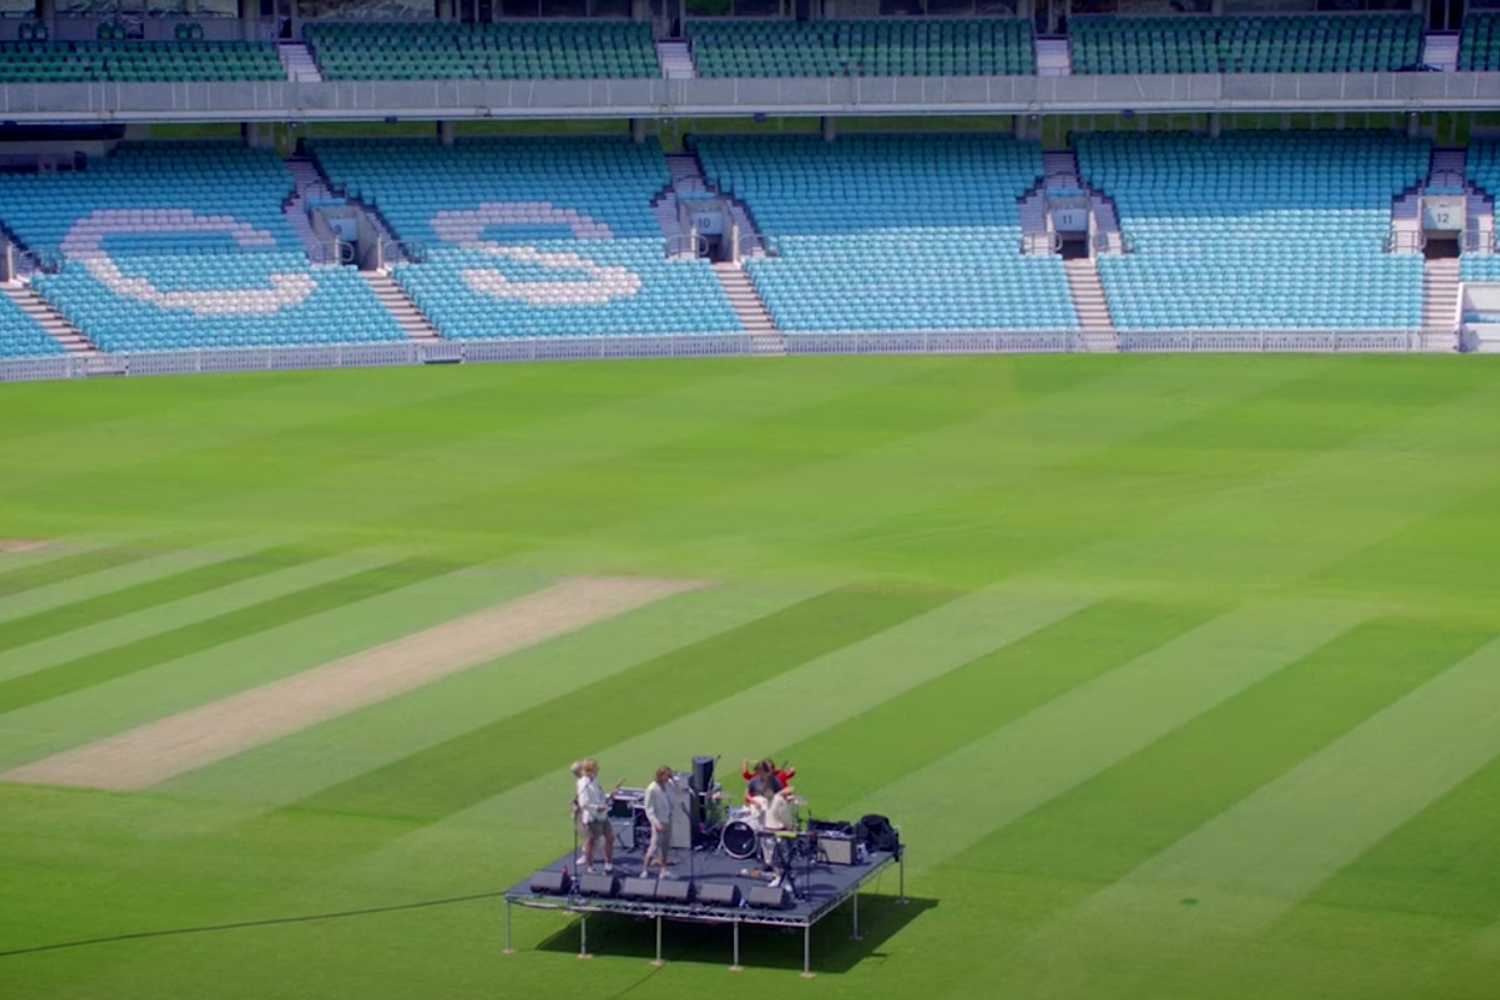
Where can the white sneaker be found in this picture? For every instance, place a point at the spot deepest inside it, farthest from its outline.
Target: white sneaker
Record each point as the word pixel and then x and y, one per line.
pixel 775 883
pixel 609 869
pixel 666 874
pixel 581 860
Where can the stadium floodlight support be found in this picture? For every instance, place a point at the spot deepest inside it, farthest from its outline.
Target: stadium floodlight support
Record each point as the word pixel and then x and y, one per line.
pixel 446 100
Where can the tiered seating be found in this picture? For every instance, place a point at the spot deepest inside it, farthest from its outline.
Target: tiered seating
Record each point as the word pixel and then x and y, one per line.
pixel 1483 165
pixel 444 50
pixel 1257 230
pixel 885 47
pixel 889 233
pixel 1274 44
pixel 533 237
pixel 20 336
pixel 181 246
pixel 135 61
pixel 1479 45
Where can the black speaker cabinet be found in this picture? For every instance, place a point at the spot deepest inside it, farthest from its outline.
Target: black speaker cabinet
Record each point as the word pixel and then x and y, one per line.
pixel 674 891
pixel 837 849
pixel 598 885
pixel 552 883
pixel 719 894
pixel 768 898
pixel 639 888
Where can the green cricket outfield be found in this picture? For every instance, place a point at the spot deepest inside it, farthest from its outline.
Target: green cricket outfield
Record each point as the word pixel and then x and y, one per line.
pixel 1181 675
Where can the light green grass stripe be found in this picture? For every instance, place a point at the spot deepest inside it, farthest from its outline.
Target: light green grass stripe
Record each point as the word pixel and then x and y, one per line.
pixel 104 709
pixel 314 759
pixel 1250 864
pixel 150 621
pixel 1026 763
pixel 110 580
pixel 779 712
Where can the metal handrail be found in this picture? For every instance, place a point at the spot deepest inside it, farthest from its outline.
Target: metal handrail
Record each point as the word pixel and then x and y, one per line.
pixel 1406 241
pixel 766 243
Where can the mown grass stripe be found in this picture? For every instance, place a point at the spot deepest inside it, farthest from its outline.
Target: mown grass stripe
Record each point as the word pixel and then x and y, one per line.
pixel 1275 846
pixel 26 578
pixel 451 776
pixel 187 583
pixel 341 749
pixel 862 753
pixel 75 675
pixel 132 574
pixel 1104 829
pixel 1037 757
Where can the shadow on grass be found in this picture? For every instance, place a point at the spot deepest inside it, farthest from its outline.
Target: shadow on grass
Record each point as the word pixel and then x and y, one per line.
pixel 619 936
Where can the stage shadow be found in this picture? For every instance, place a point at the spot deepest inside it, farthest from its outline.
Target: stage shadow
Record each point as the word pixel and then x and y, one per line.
pixel 833 951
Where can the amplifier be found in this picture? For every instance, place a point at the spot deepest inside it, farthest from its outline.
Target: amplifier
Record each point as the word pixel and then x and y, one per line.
pixel 719 894
pixel 639 888
pixel 674 891
pixel 598 885
pixel 553 883
pixel 767 897
pixel 837 849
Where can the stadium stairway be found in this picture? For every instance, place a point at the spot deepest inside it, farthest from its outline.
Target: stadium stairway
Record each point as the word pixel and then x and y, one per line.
pixel 48 318
pixel 1440 51
pixel 1087 291
pixel 750 308
pixel 391 295
pixel 1053 57
pixel 687 178
pixel 309 185
pixel 676 60
pixel 1440 295
pixel 299 63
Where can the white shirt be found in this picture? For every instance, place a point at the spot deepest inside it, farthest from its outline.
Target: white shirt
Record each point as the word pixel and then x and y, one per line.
pixel 658 804
pixel 590 800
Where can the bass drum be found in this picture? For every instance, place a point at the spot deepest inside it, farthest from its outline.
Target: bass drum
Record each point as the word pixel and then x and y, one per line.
pixel 740 841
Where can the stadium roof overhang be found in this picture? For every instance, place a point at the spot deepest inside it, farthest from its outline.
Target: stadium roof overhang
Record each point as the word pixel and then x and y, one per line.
pixel 660 98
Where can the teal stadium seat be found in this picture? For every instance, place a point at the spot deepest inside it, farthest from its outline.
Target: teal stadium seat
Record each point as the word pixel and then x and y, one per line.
pixel 1257 230
pixel 448 50
pixel 543 237
pixel 883 47
pixel 41 61
pixel 1479 42
pixel 1282 43
pixel 893 233
pixel 172 246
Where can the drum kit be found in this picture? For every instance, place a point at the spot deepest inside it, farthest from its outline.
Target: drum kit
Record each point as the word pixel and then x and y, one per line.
pixel 736 831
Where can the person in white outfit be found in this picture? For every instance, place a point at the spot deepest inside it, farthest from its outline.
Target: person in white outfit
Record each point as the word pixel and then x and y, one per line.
pixel 658 806
pixel 591 808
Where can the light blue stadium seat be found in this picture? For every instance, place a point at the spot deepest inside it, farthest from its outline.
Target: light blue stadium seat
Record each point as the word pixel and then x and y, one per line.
pixel 1257 230
pixel 20 335
pixel 893 233
pixel 533 237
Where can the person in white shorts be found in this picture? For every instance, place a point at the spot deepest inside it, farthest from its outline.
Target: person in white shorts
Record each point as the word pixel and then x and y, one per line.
pixel 591 808
pixel 658 805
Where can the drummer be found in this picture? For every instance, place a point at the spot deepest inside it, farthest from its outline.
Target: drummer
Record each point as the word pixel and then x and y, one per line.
pixel 765 780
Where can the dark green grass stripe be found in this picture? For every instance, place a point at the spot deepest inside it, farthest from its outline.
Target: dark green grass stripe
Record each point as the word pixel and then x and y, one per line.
pixel 1442 862
pixel 451 776
pixel 1098 832
pixel 66 618
pixel 85 671
pixel 905 734
pixel 53 571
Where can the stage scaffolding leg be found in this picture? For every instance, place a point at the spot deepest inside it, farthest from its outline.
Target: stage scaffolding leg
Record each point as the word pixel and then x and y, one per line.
pixel 807 972
pixel 508 949
pixel 736 967
pixel 901 875
pixel 658 963
pixel 855 935
pixel 583 937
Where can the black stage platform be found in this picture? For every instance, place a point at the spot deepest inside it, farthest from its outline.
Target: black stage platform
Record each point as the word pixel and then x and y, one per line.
pixel 819 888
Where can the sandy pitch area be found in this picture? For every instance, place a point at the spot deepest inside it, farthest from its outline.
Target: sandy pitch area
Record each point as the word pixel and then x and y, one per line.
pixel 23 545
pixel 148 754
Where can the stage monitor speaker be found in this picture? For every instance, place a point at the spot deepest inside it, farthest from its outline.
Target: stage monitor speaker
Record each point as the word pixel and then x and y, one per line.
pixel 838 850
pixel 639 888
pixel 674 891
pixel 768 898
pixel 598 885
pixel 719 894
pixel 703 775
pixel 552 883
